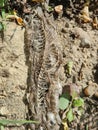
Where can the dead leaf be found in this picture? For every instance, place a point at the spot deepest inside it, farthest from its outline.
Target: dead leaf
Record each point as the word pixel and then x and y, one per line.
pixel 17 18
pixel 65 125
pixel 20 21
pixel 85 14
pixel 95 22
pixel 85 18
pixel 85 11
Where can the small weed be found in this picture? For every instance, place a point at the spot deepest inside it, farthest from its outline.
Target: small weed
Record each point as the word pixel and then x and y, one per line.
pixel 5 122
pixel 3 3
pixel 70 103
pixel 3 9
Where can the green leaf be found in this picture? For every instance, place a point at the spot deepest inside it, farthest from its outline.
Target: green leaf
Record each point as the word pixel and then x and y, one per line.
pixel 1 26
pixel 20 122
pixel 74 94
pixel 2 2
pixel 86 127
pixel 3 13
pixel 70 115
pixel 63 103
pixel 69 67
pixel 78 102
pixel 66 95
pixel 49 9
pixel 1 127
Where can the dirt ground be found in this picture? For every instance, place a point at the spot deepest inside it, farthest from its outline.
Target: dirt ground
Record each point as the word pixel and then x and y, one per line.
pixel 13 73
pixel 80 46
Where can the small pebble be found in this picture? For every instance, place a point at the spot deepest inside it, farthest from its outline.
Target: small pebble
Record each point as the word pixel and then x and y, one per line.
pixel 83 36
pixel 85 43
pixel 63 30
pixel 51 117
pixel 4 111
pixel 67 25
pixel 58 9
pixel 91 89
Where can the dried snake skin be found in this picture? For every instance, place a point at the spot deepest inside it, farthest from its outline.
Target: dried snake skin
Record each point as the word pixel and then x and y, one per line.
pixel 45 68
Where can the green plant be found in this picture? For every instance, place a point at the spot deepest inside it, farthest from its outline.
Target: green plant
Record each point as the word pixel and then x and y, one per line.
pixel 2 6
pixel 68 106
pixel 5 122
pixel 64 101
pixel 70 115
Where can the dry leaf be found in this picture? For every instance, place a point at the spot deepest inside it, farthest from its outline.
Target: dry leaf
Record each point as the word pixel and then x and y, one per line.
pixel 58 9
pixel 14 12
pixel 95 22
pixel 85 11
pixel 85 18
pixel 18 19
pixel 11 17
pixel 65 125
pixel 85 14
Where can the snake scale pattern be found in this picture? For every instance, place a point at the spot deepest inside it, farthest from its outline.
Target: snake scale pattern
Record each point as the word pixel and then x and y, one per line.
pixel 45 64
pixel 45 77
